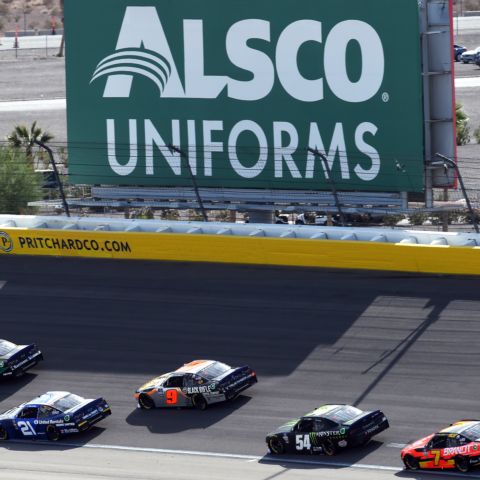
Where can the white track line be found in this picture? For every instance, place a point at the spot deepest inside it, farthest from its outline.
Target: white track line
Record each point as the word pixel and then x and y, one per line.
pixel 194 453
pixel 2 283
pixel 467 82
pixel 249 458
pixel 33 105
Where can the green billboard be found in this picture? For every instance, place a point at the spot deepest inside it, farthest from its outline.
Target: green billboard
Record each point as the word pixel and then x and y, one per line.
pixel 244 88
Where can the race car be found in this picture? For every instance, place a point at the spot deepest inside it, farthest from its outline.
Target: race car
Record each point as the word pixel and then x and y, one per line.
pixel 15 360
pixel 52 416
pixel 327 429
pixel 196 384
pixel 457 446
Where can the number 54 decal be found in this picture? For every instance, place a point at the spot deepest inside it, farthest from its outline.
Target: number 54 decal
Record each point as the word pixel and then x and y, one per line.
pixel 26 428
pixel 302 442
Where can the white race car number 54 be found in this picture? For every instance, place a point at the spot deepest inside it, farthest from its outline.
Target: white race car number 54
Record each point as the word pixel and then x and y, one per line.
pixel 302 442
pixel 26 428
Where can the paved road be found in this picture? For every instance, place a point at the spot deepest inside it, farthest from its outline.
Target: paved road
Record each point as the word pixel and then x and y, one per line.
pixel 406 344
pixel 27 462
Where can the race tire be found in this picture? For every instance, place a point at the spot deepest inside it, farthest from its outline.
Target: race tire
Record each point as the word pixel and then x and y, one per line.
pixel 52 433
pixel 19 373
pixel 411 463
pixel 276 446
pixel 199 402
pixel 145 402
pixel 329 448
pixel 462 464
pixel 3 433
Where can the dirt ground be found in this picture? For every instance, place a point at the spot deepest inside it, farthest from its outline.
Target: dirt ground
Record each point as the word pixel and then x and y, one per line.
pixel 29 14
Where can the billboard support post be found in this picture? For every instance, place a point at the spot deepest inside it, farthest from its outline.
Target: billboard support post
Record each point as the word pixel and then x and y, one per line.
pixel 192 177
pixel 330 181
pixel 449 163
pixel 57 176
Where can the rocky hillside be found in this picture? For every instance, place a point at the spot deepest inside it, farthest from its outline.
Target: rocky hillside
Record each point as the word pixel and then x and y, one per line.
pixel 29 14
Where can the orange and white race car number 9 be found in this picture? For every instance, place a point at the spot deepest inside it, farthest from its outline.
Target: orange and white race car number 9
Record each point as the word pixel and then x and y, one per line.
pixel 171 396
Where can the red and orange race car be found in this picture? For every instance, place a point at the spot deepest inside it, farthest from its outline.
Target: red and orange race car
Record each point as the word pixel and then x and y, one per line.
pixel 457 446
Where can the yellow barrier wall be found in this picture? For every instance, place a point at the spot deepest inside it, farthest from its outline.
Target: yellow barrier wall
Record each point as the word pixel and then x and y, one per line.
pixel 243 250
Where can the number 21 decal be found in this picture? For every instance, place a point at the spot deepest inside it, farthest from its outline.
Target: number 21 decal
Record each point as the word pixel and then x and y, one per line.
pixel 26 428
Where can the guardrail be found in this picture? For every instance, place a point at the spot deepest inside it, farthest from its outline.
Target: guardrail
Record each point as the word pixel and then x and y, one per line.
pixel 288 245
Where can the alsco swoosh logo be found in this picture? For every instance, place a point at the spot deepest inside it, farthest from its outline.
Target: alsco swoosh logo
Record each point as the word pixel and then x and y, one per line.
pixel 136 61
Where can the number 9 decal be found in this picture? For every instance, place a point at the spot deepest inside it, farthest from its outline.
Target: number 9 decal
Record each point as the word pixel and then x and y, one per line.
pixel 172 397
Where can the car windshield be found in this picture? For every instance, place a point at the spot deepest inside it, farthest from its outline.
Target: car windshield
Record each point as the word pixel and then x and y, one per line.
pixel 6 347
pixel 473 432
pixel 343 414
pixel 68 402
pixel 214 370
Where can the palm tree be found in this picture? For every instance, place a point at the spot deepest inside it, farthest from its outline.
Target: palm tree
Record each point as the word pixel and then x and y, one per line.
pixel 463 130
pixel 23 137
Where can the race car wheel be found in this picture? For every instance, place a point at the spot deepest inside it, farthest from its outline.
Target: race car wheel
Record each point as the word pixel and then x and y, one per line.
pixel 3 433
pixel 411 463
pixel 146 402
pixel 462 464
pixel 199 402
pixel 329 448
pixel 276 445
pixel 52 433
pixel 19 373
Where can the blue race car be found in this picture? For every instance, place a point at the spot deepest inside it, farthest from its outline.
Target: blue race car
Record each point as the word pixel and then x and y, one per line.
pixel 51 416
pixel 15 360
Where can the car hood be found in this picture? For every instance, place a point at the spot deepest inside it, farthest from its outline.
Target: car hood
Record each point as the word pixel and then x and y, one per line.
pixel 153 383
pixel 286 427
pixel 470 52
pixel 419 443
pixel 9 414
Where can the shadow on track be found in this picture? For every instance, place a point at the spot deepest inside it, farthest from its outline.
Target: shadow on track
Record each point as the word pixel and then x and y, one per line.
pixel 66 443
pixel 173 420
pixel 345 459
pixel 10 386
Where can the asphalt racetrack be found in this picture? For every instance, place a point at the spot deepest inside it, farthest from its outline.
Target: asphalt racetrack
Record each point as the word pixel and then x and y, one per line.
pixel 406 344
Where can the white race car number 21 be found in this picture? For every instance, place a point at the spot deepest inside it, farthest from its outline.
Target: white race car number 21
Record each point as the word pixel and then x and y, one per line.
pixel 302 442
pixel 26 428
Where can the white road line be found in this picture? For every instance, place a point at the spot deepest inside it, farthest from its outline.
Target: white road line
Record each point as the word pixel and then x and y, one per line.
pixel 467 82
pixel 33 105
pixel 2 283
pixel 249 458
pixel 396 445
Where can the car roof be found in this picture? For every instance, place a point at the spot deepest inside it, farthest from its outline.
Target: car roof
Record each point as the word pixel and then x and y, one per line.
pixel 322 410
pixel 459 427
pixel 195 366
pixel 48 398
